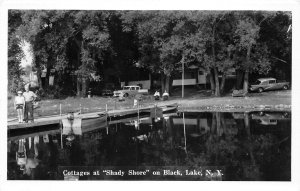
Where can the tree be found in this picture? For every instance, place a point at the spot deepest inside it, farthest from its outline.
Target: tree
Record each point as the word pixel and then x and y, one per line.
pixel 167 39
pixel 15 52
pixel 92 43
pixel 276 32
pixel 47 32
pixel 51 32
pixel 152 28
pixel 253 55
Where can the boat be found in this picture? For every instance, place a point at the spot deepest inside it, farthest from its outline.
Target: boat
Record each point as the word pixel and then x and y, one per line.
pixel 169 108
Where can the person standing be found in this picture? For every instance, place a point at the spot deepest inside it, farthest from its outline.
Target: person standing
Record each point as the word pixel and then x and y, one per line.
pixel 19 105
pixel 29 99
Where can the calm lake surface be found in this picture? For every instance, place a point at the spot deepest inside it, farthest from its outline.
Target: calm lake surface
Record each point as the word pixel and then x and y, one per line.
pixel 178 146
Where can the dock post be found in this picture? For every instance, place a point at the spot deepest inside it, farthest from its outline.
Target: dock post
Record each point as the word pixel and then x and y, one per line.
pixel 184 132
pixel 106 107
pixel 61 127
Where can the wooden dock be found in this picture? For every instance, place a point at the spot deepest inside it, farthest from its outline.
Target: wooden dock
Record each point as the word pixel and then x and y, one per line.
pixel 56 119
pixel 49 120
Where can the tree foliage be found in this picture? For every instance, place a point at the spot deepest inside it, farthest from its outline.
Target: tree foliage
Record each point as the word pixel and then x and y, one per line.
pixel 15 53
pixel 254 42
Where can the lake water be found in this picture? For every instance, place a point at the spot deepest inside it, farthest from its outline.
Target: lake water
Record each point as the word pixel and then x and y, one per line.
pixel 178 146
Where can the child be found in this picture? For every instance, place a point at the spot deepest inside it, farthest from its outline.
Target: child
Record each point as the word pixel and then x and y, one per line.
pixel 19 105
pixel 21 156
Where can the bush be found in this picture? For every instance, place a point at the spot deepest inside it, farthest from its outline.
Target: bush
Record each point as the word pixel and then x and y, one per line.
pixel 52 92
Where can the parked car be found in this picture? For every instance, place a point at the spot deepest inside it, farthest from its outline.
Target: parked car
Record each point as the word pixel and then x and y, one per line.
pixel 107 92
pixel 264 84
pixel 130 90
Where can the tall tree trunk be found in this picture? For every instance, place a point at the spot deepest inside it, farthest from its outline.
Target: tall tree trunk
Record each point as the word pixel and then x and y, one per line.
pixel 217 90
pixel 239 79
pixel 246 77
pixel 84 87
pixel 216 73
pixel 150 79
pixel 50 63
pixel 13 86
pixel 79 78
pixel 167 83
pixel 78 85
pixel 38 73
pixel 223 83
pixel 47 77
pixel 162 80
pixel 246 81
pixel 170 85
pixel 212 81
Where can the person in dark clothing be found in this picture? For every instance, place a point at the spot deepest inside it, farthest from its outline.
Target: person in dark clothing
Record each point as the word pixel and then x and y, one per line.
pixel 29 99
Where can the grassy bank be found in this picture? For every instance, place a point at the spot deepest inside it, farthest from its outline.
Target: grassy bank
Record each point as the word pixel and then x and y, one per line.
pixel 196 100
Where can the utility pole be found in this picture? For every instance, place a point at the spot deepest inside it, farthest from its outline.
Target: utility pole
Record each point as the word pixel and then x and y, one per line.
pixel 182 80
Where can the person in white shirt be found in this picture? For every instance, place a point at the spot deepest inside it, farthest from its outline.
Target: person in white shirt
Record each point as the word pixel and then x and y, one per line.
pixel 19 105
pixel 165 95
pixel 29 99
pixel 156 95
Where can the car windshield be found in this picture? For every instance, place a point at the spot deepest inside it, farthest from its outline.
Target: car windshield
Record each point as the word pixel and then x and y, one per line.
pixel 126 88
pixel 256 82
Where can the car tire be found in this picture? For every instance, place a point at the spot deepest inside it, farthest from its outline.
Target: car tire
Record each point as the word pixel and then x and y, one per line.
pixel 260 90
pixel 285 87
pixel 286 115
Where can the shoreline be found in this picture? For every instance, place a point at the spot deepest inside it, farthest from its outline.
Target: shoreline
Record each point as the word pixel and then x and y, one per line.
pixel 267 101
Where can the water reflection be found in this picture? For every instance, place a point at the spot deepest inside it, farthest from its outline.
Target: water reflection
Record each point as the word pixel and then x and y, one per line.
pixel 238 143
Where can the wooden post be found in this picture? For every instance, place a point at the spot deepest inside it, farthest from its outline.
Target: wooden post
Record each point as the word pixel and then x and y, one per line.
pixel 182 83
pixel 138 114
pixel 61 137
pixel 184 133
pixel 61 127
pixel 106 107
